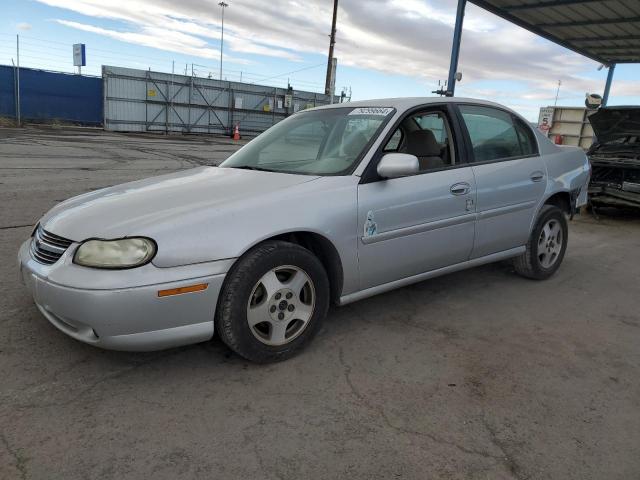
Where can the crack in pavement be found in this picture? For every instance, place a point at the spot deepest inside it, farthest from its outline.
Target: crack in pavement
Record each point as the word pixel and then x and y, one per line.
pixel 511 465
pixel 250 441
pixel 20 461
pixel 16 226
pixel 514 468
pixel 111 376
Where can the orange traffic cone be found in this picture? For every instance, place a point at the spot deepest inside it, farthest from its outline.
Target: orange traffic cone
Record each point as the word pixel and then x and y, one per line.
pixel 236 132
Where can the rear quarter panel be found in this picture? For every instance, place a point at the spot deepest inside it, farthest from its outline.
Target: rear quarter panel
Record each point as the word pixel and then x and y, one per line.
pixel 567 170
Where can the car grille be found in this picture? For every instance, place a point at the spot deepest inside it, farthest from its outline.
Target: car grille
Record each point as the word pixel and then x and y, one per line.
pixel 46 247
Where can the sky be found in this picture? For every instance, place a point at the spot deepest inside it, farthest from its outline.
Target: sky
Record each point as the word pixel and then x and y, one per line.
pixel 385 48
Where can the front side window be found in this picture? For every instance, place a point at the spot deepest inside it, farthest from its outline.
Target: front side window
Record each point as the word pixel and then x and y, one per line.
pixel 493 134
pixel 317 142
pixel 425 135
pixel 435 122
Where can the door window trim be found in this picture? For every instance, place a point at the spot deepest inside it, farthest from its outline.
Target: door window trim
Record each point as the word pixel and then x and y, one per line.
pixel 370 174
pixel 471 155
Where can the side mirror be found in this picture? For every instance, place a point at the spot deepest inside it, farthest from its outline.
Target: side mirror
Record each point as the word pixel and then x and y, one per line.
pixel 394 165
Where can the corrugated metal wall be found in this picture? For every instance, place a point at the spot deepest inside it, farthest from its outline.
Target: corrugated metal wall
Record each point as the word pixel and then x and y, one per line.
pixel 7 92
pixel 145 101
pixel 51 96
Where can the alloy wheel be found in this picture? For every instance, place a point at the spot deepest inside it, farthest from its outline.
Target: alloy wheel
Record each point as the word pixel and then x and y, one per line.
pixel 550 243
pixel 280 305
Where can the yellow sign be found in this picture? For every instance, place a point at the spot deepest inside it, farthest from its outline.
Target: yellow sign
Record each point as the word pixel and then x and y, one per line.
pixel 266 108
pixel 151 93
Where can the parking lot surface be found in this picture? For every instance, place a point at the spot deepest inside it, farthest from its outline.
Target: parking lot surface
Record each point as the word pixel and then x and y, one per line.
pixel 479 374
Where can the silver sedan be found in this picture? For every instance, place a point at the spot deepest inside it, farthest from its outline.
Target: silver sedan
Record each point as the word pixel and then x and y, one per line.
pixel 333 204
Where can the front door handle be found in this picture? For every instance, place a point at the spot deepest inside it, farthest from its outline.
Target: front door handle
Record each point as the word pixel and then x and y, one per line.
pixel 537 176
pixel 461 188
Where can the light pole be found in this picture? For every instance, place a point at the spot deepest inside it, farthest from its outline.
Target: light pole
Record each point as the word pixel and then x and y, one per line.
pixel 223 5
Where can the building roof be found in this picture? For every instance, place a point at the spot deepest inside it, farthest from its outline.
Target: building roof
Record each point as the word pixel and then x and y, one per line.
pixel 607 31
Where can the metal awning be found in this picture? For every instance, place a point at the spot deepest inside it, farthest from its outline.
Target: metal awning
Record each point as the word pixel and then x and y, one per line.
pixel 607 31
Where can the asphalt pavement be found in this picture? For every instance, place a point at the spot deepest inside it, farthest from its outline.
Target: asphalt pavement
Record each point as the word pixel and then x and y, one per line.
pixel 476 375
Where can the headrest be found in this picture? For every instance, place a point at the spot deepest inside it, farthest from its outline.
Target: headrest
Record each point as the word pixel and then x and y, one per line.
pixel 423 143
pixel 354 144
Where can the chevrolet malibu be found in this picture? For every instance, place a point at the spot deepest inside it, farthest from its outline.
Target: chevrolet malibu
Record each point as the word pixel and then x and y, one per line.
pixel 331 205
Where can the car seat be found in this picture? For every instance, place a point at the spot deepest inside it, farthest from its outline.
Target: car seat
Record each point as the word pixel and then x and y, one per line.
pixel 423 144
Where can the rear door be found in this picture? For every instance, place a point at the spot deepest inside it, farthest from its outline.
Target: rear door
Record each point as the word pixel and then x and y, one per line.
pixel 510 177
pixel 419 223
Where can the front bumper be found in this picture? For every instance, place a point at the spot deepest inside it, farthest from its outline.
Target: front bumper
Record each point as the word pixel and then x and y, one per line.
pixel 607 195
pixel 121 309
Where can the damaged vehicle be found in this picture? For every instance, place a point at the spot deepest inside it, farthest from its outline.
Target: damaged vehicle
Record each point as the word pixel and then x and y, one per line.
pixel 615 158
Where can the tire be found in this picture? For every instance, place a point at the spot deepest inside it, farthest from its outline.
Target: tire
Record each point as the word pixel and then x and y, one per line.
pixel 273 302
pixel 546 247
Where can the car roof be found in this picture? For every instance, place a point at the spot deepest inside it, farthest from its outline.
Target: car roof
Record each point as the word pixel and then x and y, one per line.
pixel 404 103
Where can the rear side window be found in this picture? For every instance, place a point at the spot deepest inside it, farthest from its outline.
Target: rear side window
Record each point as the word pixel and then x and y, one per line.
pixel 526 137
pixel 494 134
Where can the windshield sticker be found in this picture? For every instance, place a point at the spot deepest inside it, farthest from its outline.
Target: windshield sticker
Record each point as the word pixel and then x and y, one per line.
pixel 376 111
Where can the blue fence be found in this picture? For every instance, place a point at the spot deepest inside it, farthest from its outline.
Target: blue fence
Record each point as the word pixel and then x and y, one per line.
pixel 51 96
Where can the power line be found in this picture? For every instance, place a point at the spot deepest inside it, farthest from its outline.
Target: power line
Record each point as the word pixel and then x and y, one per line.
pixel 294 71
pixel 53 56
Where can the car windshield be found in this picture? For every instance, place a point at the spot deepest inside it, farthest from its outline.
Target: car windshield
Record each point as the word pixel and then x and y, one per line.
pixel 318 142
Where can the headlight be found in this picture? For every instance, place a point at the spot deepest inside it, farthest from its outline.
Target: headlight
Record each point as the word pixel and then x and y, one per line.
pixel 123 253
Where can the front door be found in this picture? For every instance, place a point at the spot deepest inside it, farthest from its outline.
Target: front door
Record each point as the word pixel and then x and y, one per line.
pixel 415 224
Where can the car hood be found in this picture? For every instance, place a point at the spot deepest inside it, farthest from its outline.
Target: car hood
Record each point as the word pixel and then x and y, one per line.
pixel 135 208
pixel 615 122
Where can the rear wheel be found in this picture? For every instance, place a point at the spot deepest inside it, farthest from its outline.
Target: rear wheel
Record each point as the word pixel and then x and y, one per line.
pixel 273 302
pixel 546 246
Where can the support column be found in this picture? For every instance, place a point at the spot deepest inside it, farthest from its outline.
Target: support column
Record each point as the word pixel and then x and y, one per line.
pixel 455 48
pixel 607 87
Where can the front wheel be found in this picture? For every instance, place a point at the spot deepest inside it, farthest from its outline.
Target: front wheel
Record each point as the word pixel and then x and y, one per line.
pixel 546 246
pixel 273 302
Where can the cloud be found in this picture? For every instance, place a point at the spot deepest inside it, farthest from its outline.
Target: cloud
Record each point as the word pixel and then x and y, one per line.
pixel 169 40
pixel 23 26
pixel 158 25
pixel 406 37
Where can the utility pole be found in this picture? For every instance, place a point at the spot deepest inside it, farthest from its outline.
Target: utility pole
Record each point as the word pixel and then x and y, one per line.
pixel 332 42
pixel 223 5
pixel 557 92
pixel 173 69
pixel 18 80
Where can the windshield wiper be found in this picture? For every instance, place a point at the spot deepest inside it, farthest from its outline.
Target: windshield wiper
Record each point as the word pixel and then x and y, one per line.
pixel 250 167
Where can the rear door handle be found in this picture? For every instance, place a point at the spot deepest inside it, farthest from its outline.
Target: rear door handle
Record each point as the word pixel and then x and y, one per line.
pixel 461 188
pixel 537 176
